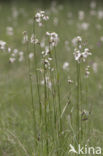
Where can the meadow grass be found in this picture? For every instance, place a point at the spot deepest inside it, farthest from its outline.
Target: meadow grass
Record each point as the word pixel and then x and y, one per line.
pixel 50 127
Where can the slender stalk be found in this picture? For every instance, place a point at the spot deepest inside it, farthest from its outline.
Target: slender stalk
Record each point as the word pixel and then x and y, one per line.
pixel 58 88
pixel 81 126
pixel 31 90
pixel 86 102
pixel 78 101
pixel 52 87
pixel 53 90
pixel 36 73
pixel 45 108
pixel 52 77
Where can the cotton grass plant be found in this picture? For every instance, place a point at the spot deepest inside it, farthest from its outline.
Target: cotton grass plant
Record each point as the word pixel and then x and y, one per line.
pixel 80 54
pixel 50 116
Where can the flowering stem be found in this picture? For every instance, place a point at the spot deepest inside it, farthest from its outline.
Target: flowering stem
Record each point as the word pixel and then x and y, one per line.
pixel 58 88
pixel 53 89
pixel 86 102
pixel 78 100
pixel 45 109
pixel 81 126
pixel 36 73
pixel 32 99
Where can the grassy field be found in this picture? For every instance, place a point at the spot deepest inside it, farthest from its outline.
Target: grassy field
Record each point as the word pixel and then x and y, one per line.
pixel 16 119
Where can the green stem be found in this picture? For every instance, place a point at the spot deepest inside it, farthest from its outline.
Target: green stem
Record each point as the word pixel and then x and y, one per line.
pixel 31 90
pixel 37 77
pixel 78 101
pixel 58 88
pixel 81 100
pixel 53 90
pixel 45 105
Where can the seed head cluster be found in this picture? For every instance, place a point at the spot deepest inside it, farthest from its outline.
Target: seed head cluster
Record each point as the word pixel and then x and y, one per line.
pixel 81 54
pixel 53 38
pixel 40 17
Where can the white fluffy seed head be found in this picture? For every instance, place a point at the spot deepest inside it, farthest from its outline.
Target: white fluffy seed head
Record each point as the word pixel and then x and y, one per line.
pixel 79 39
pixel 2 45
